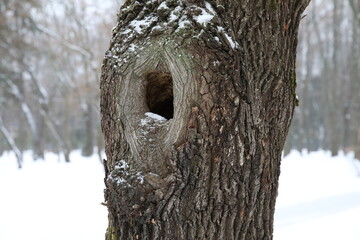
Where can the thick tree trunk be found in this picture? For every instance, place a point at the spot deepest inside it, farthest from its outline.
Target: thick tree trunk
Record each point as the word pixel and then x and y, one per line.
pixel 222 74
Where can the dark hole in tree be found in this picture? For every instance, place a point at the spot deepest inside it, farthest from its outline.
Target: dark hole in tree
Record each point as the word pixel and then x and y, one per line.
pixel 159 94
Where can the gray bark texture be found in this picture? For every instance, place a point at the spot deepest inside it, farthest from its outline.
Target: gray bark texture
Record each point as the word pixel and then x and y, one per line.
pixel 209 169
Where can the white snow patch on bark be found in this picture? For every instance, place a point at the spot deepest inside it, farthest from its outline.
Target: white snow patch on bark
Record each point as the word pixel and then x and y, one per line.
pixel 139 25
pixel 174 14
pixel 155 116
pixel 183 23
pixel 163 6
pixel 232 43
pixel 210 8
pixel 204 17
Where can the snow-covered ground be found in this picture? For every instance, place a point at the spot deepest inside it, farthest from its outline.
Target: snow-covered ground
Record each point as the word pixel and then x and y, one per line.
pixel 319 198
pixel 51 199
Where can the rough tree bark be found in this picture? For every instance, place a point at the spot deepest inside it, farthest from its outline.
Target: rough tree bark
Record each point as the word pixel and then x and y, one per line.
pixel 222 74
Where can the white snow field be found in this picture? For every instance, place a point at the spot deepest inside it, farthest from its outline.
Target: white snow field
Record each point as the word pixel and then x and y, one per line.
pixel 319 198
pixel 51 199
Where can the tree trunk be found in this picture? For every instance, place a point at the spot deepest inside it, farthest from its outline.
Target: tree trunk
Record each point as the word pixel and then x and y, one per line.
pixel 11 142
pixel 39 138
pixel 88 149
pixel 222 76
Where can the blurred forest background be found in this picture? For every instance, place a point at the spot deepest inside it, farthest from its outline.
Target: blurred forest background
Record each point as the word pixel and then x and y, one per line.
pixel 50 59
pixel 51 54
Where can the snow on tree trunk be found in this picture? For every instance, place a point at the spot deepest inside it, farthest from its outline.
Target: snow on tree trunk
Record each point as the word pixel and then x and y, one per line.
pixel 196 101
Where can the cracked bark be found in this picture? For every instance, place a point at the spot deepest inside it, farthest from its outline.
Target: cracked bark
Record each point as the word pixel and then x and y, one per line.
pixel 210 172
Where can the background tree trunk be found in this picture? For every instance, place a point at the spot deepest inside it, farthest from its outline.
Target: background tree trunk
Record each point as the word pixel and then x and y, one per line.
pixel 88 149
pixel 209 170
